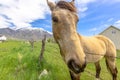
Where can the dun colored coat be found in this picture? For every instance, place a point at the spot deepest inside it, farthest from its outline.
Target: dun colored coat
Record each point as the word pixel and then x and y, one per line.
pixel 78 50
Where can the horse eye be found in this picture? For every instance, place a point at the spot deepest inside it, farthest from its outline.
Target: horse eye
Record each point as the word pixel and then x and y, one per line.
pixel 77 20
pixel 55 19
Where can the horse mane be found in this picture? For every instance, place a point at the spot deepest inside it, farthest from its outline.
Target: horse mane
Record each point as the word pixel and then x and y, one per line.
pixel 67 5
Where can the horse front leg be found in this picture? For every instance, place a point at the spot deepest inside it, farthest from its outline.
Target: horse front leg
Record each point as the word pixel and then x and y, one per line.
pixel 98 69
pixel 74 76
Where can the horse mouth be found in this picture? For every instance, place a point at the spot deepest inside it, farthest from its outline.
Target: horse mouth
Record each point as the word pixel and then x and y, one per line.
pixel 75 67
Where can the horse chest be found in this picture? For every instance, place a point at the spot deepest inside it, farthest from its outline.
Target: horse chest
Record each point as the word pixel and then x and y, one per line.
pixel 93 53
pixel 93 57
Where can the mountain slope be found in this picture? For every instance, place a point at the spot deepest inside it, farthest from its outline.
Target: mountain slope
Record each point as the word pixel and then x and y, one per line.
pixel 24 33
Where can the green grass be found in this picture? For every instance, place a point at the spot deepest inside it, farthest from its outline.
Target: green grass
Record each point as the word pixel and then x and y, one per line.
pixel 18 62
pixel 118 51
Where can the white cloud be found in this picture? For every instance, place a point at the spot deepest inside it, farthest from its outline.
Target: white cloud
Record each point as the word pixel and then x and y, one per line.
pixel 85 1
pixel 99 28
pixel 21 12
pixel 108 1
pixel 110 19
pixel 3 22
pixel 93 29
pixel 102 27
pixel 117 24
pixel 82 6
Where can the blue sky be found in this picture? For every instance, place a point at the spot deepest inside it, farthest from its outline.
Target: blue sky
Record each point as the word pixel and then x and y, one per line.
pixel 94 15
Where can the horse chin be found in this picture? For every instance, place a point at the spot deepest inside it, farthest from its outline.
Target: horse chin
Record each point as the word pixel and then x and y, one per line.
pixel 75 67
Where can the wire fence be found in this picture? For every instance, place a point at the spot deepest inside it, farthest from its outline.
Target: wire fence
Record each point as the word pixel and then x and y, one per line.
pixel 92 74
pixel 87 70
pixel 118 57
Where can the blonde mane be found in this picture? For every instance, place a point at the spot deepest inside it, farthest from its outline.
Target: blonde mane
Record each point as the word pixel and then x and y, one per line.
pixel 67 5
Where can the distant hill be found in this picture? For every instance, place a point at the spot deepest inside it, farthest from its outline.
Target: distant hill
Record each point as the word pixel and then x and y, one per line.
pixel 25 33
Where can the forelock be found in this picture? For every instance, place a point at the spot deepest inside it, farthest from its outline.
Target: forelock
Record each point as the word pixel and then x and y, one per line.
pixel 67 5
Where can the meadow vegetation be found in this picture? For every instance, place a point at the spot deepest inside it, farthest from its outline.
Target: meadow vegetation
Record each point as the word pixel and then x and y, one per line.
pixel 18 62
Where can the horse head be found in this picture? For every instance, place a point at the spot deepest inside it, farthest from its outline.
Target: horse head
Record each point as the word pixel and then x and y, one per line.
pixel 64 22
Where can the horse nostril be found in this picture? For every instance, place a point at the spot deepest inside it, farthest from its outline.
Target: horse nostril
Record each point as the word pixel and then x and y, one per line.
pixel 55 19
pixel 74 66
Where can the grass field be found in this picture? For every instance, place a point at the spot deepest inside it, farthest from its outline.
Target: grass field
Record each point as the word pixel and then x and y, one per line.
pixel 18 62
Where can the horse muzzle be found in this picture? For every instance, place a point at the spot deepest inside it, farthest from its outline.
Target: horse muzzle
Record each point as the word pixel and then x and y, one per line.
pixel 76 68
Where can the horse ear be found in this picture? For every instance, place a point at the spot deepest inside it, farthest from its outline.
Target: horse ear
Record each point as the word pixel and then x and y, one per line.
pixel 73 1
pixel 51 5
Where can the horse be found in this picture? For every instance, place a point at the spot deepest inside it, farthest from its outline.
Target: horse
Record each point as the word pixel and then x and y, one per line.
pixel 77 50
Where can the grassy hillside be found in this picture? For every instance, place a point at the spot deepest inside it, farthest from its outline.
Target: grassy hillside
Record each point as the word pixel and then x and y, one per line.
pixel 18 62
